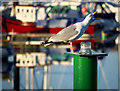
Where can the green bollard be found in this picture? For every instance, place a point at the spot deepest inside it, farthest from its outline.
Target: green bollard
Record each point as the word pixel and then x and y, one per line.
pixel 85 70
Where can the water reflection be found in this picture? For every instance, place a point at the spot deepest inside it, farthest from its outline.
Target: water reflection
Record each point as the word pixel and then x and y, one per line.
pixel 60 76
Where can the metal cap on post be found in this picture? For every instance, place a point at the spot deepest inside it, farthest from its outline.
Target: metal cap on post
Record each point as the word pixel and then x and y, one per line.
pixel 85 48
pixel 85 67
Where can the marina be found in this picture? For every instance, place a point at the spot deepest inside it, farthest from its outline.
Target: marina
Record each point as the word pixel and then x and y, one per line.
pixel 26 64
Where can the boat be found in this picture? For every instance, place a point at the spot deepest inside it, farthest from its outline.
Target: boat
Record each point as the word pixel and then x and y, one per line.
pixel 30 19
pixel 51 18
pixel 34 19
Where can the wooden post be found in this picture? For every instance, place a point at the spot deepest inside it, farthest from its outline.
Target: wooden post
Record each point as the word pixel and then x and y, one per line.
pixel 32 85
pixel 27 78
pixel 16 76
pixel 49 76
pixel 45 78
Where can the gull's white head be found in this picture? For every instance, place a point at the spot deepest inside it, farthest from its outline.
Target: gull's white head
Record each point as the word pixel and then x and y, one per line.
pixel 89 18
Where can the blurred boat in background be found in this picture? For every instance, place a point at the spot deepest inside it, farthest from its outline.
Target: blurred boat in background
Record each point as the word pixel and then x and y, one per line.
pixel 50 18
pixel 45 18
pixel 42 19
pixel 53 17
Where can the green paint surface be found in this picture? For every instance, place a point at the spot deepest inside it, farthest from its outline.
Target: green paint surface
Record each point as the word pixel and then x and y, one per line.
pixel 85 72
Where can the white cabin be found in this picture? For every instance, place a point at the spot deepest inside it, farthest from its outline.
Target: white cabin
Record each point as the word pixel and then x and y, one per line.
pixel 28 13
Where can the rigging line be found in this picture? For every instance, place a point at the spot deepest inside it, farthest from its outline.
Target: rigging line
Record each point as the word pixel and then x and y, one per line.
pixel 36 81
pixel 49 76
pixel 103 74
pixel 60 82
pixel 42 78
pixel 22 85
pixel 21 76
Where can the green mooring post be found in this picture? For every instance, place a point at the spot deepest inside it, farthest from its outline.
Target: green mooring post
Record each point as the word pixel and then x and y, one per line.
pixel 85 70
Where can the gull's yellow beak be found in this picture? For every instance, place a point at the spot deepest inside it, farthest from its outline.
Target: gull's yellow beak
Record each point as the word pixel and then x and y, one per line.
pixel 94 12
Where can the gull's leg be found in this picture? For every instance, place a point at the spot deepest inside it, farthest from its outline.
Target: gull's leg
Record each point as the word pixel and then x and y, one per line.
pixel 71 49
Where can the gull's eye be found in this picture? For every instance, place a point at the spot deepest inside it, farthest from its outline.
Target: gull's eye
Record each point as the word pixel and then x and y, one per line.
pixel 90 14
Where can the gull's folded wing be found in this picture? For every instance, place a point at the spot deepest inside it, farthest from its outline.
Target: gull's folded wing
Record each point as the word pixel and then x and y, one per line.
pixel 65 34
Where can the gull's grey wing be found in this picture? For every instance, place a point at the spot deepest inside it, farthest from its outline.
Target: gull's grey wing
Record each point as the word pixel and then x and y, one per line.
pixel 65 34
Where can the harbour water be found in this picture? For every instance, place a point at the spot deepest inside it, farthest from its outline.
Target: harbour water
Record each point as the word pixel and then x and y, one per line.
pixel 61 76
